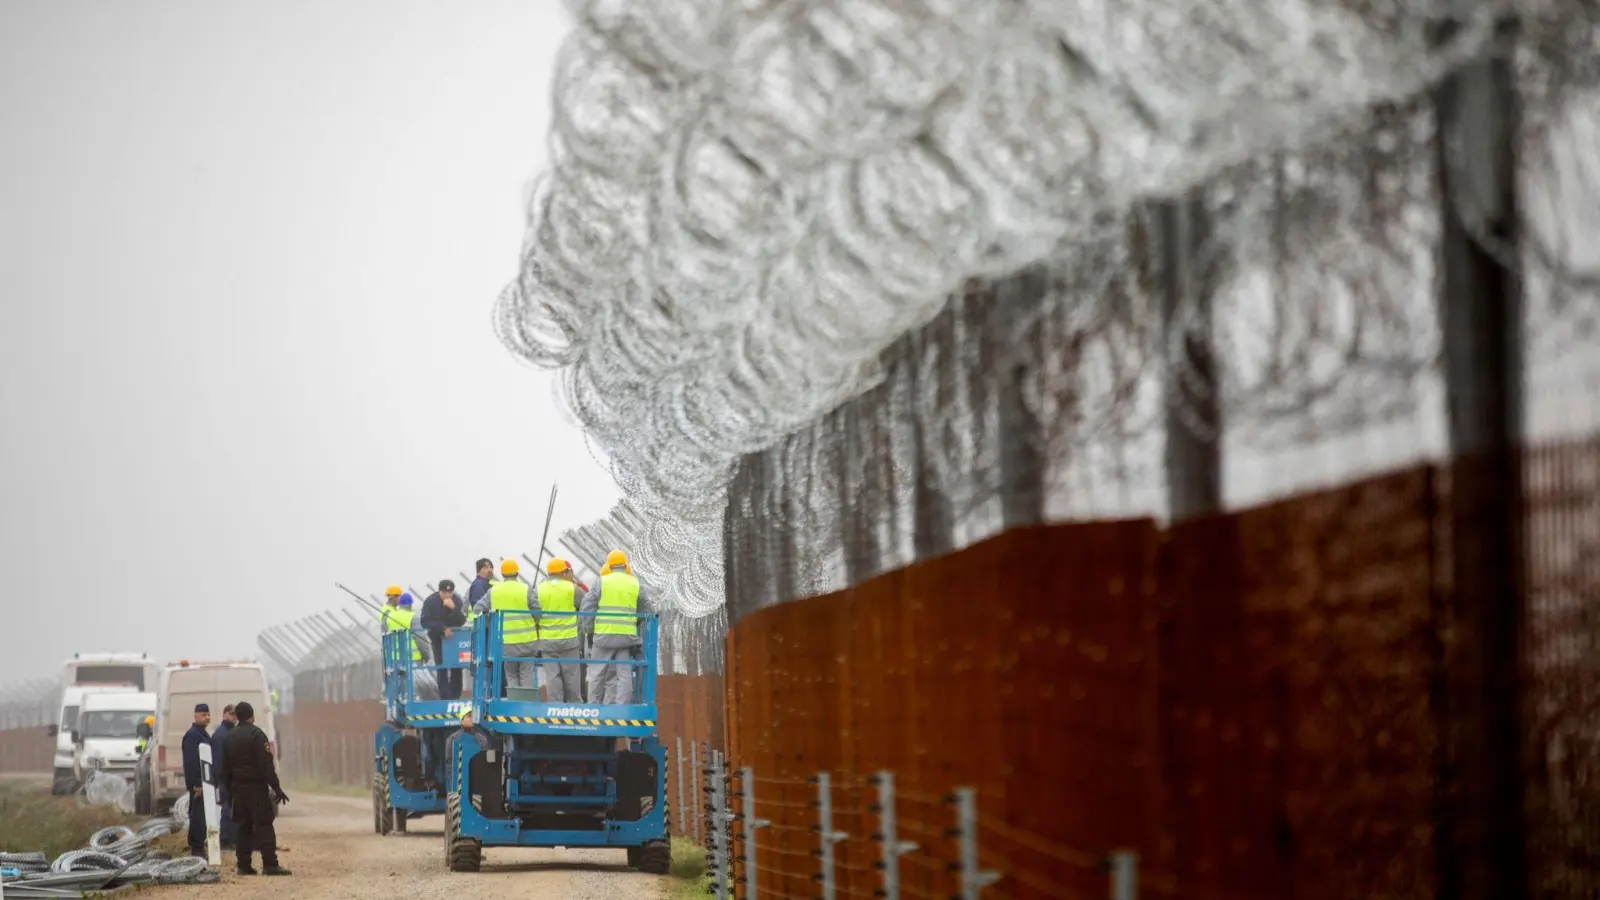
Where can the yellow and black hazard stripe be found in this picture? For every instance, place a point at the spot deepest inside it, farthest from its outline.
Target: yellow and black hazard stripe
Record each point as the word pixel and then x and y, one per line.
pixel 609 723
pixel 432 717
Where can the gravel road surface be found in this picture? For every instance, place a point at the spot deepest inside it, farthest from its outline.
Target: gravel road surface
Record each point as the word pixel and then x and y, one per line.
pixel 335 856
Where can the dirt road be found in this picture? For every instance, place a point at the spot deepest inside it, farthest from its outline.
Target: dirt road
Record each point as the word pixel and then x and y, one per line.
pixel 335 856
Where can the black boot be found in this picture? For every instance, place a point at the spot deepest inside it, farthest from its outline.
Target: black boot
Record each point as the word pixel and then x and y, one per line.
pixel 275 869
pixel 246 870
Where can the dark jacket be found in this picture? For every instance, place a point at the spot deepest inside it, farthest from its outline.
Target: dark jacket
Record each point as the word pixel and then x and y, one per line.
pixel 219 737
pixel 248 759
pixel 476 590
pixel 192 739
pixel 435 617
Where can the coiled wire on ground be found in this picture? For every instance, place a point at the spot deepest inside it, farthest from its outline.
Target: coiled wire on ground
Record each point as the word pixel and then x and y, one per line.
pixel 85 860
pixel 121 850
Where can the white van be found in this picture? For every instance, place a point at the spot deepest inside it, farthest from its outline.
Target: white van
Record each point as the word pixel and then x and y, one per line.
pixel 158 779
pixel 88 673
pixel 65 779
pixel 106 736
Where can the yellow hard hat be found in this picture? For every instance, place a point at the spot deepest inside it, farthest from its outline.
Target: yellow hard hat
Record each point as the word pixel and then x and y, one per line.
pixel 616 559
pixel 465 711
pixel 556 565
pixel 150 720
pixel 508 567
pixel 392 590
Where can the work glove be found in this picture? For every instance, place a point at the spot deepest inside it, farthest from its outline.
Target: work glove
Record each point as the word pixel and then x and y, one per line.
pixel 279 797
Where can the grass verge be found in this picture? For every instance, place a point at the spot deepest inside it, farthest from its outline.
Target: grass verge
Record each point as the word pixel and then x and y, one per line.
pixel 32 819
pixel 325 787
pixel 688 870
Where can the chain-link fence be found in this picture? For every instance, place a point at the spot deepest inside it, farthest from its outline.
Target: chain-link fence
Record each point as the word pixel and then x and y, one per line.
pixel 839 288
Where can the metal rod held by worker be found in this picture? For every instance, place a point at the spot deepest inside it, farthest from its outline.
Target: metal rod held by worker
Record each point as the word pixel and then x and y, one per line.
pixel 377 608
pixel 548 513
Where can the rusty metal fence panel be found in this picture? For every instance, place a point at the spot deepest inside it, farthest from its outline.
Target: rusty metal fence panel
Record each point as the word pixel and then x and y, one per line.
pixel 1562 652
pixel 1022 666
pixel 1256 702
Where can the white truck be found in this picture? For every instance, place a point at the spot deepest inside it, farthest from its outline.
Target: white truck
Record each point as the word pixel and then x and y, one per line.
pixel 106 736
pixel 158 778
pixel 90 673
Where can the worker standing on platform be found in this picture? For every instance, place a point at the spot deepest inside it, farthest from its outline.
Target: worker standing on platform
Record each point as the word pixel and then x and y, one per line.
pixel 441 615
pixel 479 588
pixel 616 630
pixel 558 633
pixel 391 604
pixel 193 778
pixel 399 619
pixel 253 786
pixel 519 634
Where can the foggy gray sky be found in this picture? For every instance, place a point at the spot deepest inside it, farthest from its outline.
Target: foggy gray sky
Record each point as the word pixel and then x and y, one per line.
pixel 247 261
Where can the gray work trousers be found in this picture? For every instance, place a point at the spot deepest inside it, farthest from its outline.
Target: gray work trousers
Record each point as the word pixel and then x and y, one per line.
pixel 610 682
pixel 561 682
pixel 520 674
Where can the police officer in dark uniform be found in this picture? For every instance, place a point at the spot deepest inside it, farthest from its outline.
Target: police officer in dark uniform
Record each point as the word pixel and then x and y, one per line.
pixel 252 784
pixel 192 778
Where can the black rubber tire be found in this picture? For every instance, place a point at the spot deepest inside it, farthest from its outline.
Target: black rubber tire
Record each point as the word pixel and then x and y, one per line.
pixel 383 805
pixel 463 854
pixel 377 805
pixel 399 821
pixel 63 783
pixel 655 858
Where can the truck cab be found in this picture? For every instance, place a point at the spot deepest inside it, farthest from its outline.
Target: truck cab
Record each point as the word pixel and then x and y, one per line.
pixel 105 738
pixel 158 776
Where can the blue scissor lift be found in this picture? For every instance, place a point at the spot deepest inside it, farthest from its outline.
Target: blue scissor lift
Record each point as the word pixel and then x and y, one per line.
pixel 411 748
pixel 558 774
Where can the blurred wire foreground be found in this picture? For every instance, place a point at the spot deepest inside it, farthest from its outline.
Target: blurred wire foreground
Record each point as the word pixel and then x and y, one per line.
pixel 844 290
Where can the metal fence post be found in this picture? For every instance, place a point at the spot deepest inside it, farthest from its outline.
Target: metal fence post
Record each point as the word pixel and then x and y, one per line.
pixel 1124 865
pixel 826 835
pixel 893 847
pixel 973 879
pixel 717 821
pixel 751 824
pixel 694 778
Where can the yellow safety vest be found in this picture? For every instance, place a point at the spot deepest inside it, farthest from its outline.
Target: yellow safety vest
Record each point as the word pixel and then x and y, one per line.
pixel 512 597
pixel 560 596
pixel 396 619
pixel 619 604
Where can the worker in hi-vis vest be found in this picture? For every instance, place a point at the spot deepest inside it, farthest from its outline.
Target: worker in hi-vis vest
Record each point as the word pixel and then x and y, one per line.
pixel 398 618
pixel 558 634
pixel 519 634
pixel 616 630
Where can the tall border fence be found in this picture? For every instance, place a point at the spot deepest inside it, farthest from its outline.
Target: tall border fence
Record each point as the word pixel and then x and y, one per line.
pixel 1258 704
pixel 27 709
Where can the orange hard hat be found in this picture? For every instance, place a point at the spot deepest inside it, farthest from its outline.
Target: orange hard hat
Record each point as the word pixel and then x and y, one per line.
pixel 556 565
pixel 508 567
pixel 392 590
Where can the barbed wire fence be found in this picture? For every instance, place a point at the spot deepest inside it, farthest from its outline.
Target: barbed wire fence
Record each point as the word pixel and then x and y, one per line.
pixel 840 287
pixel 34 703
